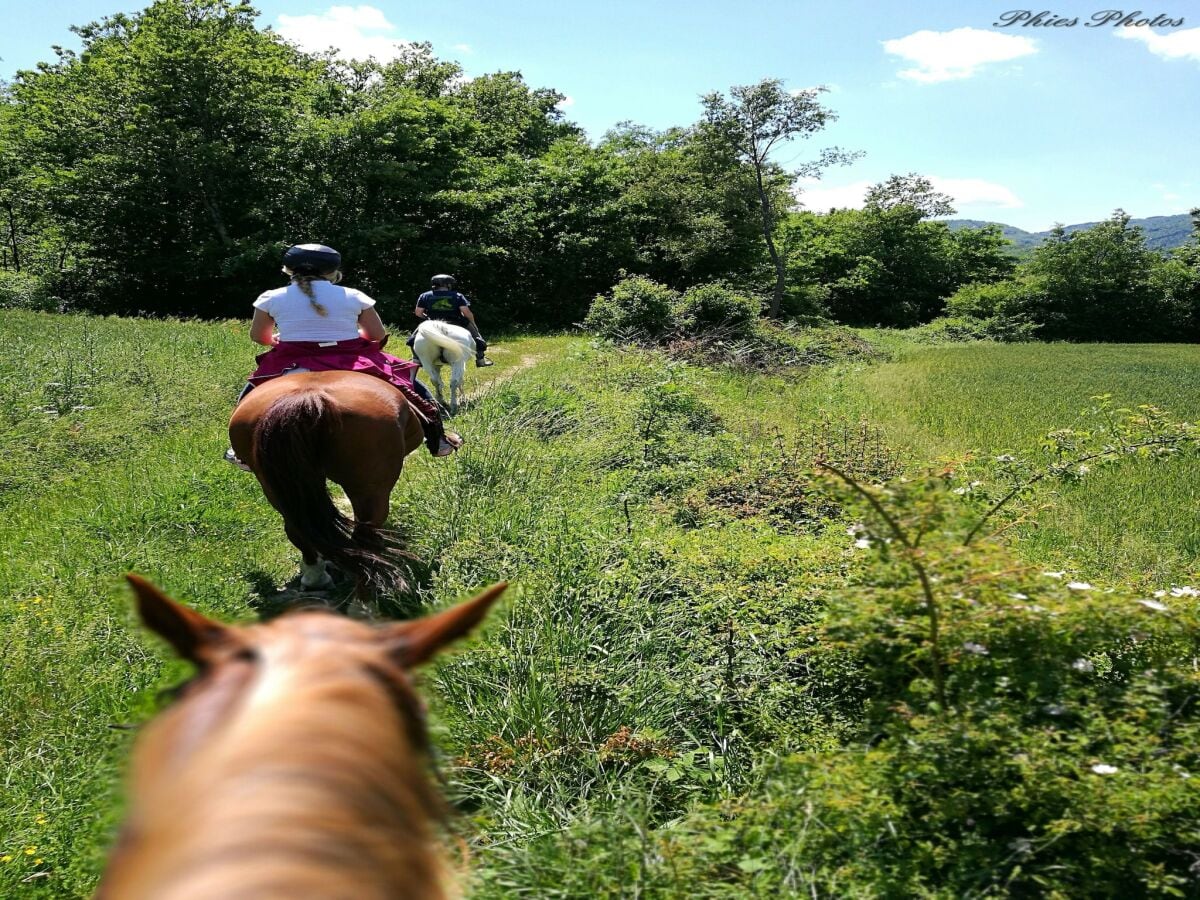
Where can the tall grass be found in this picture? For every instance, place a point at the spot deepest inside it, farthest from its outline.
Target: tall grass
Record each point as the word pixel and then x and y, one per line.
pixel 1134 521
pixel 647 679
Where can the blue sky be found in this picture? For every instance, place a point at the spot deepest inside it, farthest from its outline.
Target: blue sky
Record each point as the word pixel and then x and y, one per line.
pixel 1025 125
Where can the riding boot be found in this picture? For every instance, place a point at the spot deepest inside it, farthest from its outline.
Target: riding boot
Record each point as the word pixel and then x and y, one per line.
pixel 481 346
pixel 430 416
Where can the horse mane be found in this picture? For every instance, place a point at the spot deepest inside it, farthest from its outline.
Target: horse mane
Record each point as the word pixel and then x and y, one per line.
pixel 296 766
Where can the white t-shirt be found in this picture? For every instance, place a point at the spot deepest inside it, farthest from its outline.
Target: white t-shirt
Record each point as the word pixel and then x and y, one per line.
pixel 298 320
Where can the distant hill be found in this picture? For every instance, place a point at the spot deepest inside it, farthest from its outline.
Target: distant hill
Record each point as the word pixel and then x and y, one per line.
pixel 1162 232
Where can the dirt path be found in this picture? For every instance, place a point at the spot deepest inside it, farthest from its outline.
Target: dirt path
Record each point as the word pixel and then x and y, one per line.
pixel 528 361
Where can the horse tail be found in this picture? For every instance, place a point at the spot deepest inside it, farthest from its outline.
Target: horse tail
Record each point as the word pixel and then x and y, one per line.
pixel 439 334
pixel 289 441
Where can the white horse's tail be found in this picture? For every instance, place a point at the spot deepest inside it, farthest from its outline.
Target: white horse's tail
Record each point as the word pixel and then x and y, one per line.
pixel 455 343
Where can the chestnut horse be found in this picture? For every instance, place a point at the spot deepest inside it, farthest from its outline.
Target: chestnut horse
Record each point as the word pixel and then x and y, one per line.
pixel 351 428
pixel 293 764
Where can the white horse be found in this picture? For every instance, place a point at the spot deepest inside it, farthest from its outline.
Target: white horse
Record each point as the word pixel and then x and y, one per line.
pixel 440 343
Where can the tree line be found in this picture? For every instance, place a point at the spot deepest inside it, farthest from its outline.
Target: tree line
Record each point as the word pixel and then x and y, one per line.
pixel 162 169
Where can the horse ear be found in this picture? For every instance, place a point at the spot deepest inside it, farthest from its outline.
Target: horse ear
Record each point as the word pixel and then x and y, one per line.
pixel 419 640
pixel 188 632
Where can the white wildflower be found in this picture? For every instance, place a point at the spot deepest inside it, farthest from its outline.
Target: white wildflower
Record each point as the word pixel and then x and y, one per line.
pixel 1083 470
pixel 1078 586
pixel 1054 574
pixel 977 649
pixel 1083 665
pixel 1104 769
pixel 1019 596
pixel 863 544
pixel 1153 604
pixel 1006 458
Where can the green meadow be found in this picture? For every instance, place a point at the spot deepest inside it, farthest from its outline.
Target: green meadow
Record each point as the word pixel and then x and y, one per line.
pixel 645 714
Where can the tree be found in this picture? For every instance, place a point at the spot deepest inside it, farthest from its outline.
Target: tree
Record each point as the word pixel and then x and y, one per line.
pixel 1101 285
pixel 164 154
pixel 753 121
pixel 911 190
pixel 513 117
pixel 886 264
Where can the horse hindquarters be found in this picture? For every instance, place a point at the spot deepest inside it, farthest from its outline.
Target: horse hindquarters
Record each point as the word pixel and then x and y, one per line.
pixel 293 443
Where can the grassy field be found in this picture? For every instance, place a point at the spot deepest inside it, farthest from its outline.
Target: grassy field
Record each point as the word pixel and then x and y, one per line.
pixel 644 686
pixel 1132 521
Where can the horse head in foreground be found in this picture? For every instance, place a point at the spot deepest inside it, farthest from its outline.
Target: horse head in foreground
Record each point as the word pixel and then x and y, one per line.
pixel 440 343
pixel 347 427
pixel 293 764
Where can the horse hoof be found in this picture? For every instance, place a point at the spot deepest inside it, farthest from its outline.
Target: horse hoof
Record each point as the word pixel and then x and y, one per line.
pixel 315 577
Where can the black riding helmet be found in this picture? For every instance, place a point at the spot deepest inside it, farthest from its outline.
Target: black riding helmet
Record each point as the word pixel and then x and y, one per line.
pixel 312 259
pixel 445 282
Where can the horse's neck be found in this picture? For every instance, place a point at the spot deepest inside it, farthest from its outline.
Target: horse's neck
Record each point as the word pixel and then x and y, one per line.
pixel 312 795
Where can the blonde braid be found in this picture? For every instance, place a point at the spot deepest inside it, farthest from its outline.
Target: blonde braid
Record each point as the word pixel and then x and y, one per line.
pixel 304 282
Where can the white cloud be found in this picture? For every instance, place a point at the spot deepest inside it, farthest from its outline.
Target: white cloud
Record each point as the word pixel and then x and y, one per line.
pixel 1173 45
pixel 947 55
pixel 464 48
pixel 976 192
pixel 820 198
pixel 355 32
pixel 963 191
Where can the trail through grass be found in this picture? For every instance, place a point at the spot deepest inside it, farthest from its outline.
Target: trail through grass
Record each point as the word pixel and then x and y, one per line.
pixel 645 682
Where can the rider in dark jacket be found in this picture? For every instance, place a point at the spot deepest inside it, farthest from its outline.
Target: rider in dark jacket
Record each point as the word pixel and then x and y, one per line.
pixel 448 305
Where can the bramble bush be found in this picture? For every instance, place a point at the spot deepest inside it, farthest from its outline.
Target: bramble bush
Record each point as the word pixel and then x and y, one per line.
pixel 707 307
pixel 952 329
pixel 1016 731
pixel 637 308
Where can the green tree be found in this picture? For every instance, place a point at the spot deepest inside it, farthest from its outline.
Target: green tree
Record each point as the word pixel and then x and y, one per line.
pixel 164 153
pixel 1101 284
pixel 911 190
pixel 887 264
pixel 512 117
pixel 754 120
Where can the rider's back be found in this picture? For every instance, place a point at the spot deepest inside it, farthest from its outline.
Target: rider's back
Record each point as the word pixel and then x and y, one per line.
pixel 444 305
pixel 298 319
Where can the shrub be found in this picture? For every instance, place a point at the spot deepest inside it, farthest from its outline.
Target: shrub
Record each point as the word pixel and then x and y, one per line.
pixel 21 291
pixel 709 307
pixel 1007 329
pixel 1020 733
pixel 636 307
pixel 1020 298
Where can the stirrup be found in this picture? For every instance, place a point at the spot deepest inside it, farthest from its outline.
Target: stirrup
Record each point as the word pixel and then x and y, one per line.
pixel 232 458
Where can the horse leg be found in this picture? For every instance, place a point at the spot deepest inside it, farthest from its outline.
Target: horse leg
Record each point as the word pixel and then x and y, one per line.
pixel 314 572
pixel 370 513
pixel 371 509
pixel 435 375
pixel 458 372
